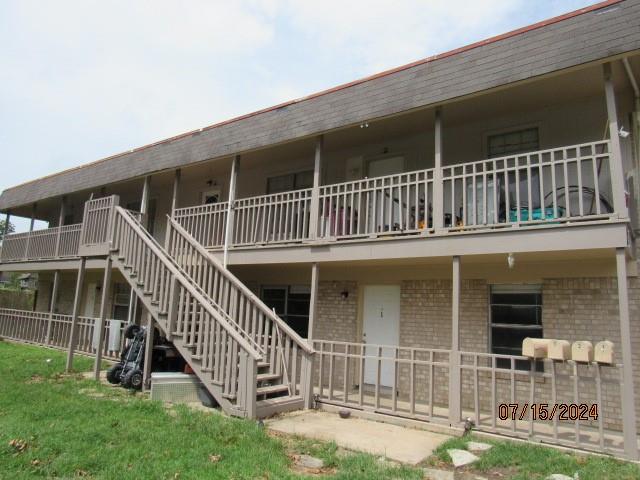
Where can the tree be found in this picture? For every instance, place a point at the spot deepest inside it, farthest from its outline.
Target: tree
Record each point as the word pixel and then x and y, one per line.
pixel 11 228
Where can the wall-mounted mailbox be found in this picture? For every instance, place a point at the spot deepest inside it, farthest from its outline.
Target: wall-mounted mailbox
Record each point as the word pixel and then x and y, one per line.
pixel 535 347
pixel 559 350
pixel 604 352
pixel 582 351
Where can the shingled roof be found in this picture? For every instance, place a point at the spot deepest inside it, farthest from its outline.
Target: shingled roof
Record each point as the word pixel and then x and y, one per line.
pixel 590 34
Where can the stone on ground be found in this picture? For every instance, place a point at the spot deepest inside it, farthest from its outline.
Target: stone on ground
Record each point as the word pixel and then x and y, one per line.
pixel 478 446
pixel 460 458
pixel 307 461
pixel 436 474
pixel 559 476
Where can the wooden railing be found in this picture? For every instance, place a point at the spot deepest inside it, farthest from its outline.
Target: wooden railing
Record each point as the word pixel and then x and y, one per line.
pixel 556 185
pixel 394 380
pixel 285 351
pixel 97 225
pixel 46 244
pixel 205 222
pixel 54 330
pixel 578 405
pixel 275 218
pixel 186 315
pixel 393 204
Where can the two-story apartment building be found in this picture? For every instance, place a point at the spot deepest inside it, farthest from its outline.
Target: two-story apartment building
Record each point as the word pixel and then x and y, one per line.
pixel 383 246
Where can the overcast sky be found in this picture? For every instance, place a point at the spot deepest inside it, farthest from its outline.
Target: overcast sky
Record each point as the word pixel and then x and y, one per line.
pixel 84 79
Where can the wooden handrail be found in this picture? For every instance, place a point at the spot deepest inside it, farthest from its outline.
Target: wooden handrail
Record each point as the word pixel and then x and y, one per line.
pixel 186 284
pixel 241 287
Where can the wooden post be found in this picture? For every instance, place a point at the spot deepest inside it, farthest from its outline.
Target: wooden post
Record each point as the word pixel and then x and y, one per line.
pixel 228 237
pixel 308 359
pixel 106 284
pixel 52 304
pixel 148 351
pixel 314 211
pixel 144 201
pixel 247 384
pixel 31 225
pixel 34 208
pixel 616 167
pixel 454 359
pixel 73 337
pixel 628 393
pixel 60 224
pixel 438 194
pixel 175 199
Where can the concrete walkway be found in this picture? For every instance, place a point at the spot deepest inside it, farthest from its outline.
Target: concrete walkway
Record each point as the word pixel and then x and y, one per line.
pixel 397 443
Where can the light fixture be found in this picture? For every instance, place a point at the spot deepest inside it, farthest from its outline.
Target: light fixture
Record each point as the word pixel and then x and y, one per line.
pixel 623 133
pixel 511 260
pixel 364 125
pixel 344 294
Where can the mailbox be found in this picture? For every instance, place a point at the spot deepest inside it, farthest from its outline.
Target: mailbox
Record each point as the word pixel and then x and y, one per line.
pixel 559 350
pixel 604 352
pixel 535 347
pixel 582 351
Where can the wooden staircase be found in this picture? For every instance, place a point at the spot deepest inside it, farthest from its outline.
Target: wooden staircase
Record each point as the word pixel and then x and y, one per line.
pixel 250 361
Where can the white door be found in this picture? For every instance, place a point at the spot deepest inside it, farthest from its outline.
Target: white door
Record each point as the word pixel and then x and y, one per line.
pixel 381 318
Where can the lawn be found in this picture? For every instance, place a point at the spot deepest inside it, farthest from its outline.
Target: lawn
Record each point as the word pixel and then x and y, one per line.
pixel 64 426
pixel 52 425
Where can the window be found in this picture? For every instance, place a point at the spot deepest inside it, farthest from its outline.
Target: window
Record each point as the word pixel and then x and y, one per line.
pixel 290 181
pixel 291 303
pixel 516 313
pixel 121 296
pixel 508 143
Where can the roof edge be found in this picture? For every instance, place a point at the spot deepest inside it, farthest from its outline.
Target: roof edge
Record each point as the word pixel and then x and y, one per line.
pixel 439 56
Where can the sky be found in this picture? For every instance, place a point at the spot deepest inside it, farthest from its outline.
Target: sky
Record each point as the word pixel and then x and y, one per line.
pixel 84 79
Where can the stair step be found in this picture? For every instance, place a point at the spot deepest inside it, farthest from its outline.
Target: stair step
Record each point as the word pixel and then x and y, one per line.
pixel 196 357
pixel 271 389
pixel 263 364
pixel 265 377
pixel 271 406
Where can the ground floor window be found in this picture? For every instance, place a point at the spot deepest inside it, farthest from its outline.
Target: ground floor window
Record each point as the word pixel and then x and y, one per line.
pixel 291 303
pixel 516 313
pixel 121 297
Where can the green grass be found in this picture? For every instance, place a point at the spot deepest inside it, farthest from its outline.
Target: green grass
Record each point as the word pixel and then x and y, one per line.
pixel 74 427
pixel 521 461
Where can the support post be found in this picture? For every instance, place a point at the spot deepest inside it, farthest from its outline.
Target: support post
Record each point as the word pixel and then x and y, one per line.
pixel 7 218
pixel 52 304
pixel 308 359
pixel 60 224
pixel 175 198
pixel 34 208
pixel 144 201
pixel 314 211
pixel 148 351
pixel 73 336
pixel 31 225
pixel 616 166
pixel 438 196
pixel 228 235
pixel 454 359
pixel 106 284
pixel 628 393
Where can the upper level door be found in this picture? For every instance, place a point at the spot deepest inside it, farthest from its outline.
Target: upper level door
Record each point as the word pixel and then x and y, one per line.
pixel 381 319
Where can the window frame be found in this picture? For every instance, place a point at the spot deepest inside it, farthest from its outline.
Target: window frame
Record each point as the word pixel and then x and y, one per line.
pixel 287 289
pixel 515 289
pixel 510 131
pixel 293 174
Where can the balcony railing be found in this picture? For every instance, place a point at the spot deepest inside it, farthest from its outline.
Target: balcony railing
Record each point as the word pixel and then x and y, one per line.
pixel 554 186
pixel 47 244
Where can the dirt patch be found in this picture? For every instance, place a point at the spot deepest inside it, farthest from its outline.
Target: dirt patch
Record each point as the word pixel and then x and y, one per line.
pixel 36 379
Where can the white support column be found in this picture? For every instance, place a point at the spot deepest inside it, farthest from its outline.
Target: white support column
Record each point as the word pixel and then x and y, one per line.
pixel 313 312
pixel 175 198
pixel 438 194
pixel 60 223
pixel 52 304
pixel 454 360
pixel 228 231
pixel 148 351
pixel 616 166
pixel 144 201
pixel 73 336
pixel 628 393
pixel 314 211
pixel 106 287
